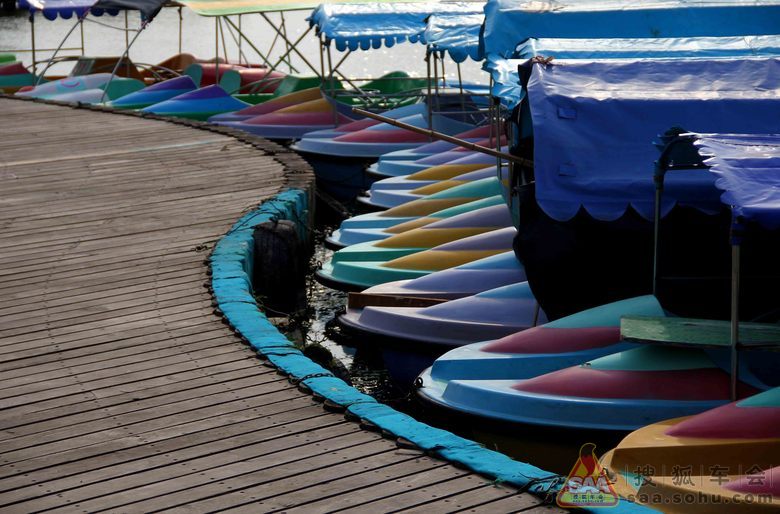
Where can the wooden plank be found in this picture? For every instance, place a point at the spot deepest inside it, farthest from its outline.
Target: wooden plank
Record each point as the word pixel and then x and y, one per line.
pixel 472 498
pixel 219 433
pixel 514 503
pixel 121 389
pixel 700 333
pixel 280 444
pixel 209 492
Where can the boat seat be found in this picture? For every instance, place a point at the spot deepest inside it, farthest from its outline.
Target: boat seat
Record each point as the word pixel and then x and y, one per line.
pixel 701 333
pixel 91 65
pixel 230 80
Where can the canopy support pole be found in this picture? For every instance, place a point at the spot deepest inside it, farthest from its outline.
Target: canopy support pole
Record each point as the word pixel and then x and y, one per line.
pixel 127 43
pixel 50 62
pixel 216 50
pixel 260 54
pixel 322 57
pixel 286 41
pixel 460 88
pixel 274 66
pixel 736 241
pixel 497 110
pixel 32 38
pixel 659 189
pixel 224 45
pixel 341 61
pixel 443 72
pixel 435 85
pixel 444 137
pixel 429 100
pixel 81 30
pixel 332 88
pixel 344 77
pixel 236 40
pixel 180 28
pixel 240 41
pixel 284 38
pixel 119 63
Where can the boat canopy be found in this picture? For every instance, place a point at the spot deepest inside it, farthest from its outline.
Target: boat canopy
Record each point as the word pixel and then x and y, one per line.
pixel 64 8
pixel 67 8
pixel 506 80
pixel 506 83
pixel 593 122
pixel 747 168
pixel 234 7
pixel 508 22
pixel 364 26
pixel 456 35
pixel 652 48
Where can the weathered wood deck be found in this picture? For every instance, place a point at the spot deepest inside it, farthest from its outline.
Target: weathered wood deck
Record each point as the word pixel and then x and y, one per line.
pixel 121 390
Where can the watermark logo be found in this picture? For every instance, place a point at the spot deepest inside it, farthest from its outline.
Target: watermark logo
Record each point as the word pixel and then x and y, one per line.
pixel 587 484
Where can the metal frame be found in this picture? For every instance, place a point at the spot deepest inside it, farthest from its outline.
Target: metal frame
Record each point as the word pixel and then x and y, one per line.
pixel 680 154
pixel 123 58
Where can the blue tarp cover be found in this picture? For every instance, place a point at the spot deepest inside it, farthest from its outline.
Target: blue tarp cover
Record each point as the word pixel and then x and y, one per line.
pixel 365 26
pixel 506 81
pixel 147 8
pixel 508 22
pixel 594 122
pixel 63 8
pixel 652 48
pixel 747 168
pixel 504 71
pixel 456 35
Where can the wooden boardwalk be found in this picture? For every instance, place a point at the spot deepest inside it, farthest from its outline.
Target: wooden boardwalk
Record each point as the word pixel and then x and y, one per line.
pixel 121 390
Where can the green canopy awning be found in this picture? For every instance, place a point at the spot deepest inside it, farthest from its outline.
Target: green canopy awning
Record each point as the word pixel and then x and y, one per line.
pixel 230 7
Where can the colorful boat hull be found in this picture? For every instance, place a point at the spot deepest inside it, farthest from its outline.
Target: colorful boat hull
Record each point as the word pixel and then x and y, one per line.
pixel 14 76
pixel 200 104
pixel 559 344
pixel 155 93
pixel 357 275
pixel 622 391
pixel 414 238
pixel 376 226
pixel 50 90
pixel 719 458
pixel 465 280
pixel 117 88
pixel 404 162
pixel 389 198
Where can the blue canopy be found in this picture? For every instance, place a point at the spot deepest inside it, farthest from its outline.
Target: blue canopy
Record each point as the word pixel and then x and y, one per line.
pixel 457 35
pixel 63 8
pixel 652 48
pixel 747 168
pixel 506 83
pixel 507 22
pixel 506 80
pixel 365 26
pixel 593 122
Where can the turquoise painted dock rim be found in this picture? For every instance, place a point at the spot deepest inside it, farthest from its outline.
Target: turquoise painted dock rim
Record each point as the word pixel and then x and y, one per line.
pixel 231 272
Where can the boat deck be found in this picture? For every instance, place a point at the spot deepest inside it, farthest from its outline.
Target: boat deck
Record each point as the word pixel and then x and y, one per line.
pixel 121 389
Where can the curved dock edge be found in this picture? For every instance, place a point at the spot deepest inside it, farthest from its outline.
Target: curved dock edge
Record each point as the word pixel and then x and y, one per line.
pixel 231 267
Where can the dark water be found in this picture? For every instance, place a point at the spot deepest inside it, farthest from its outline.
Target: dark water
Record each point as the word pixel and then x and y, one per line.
pixel 318 334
